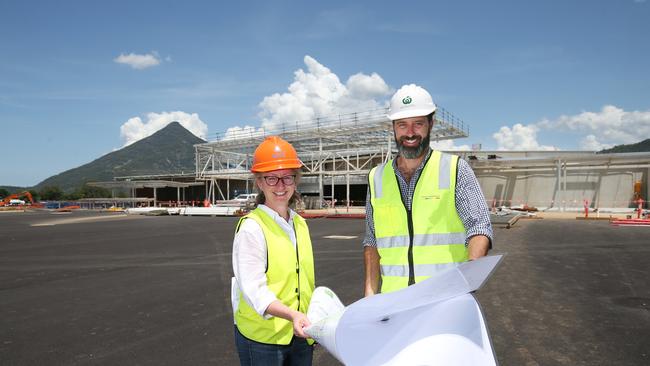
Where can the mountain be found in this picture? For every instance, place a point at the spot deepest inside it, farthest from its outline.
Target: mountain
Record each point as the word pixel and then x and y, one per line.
pixel 638 147
pixel 13 189
pixel 170 150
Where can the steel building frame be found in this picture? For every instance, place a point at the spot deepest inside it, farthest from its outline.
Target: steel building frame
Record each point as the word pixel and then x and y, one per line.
pixel 342 146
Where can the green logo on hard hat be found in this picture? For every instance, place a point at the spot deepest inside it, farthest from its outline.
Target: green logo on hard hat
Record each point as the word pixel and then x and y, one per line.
pixel 407 100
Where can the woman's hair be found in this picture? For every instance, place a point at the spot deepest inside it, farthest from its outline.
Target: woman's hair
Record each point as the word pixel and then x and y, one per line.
pixel 295 198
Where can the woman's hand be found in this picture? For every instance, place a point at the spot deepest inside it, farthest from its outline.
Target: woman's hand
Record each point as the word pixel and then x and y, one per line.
pixel 300 321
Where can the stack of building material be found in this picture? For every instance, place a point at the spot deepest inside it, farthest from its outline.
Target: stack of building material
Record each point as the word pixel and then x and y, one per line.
pixel 630 222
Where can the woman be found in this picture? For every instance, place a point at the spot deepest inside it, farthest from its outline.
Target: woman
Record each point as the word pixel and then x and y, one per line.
pixel 273 264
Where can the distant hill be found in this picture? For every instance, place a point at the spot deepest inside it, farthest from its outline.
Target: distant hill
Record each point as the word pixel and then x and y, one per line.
pixel 638 147
pixel 14 189
pixel 170 150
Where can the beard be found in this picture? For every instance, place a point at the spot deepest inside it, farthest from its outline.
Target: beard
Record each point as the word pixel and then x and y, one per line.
pixel 412 152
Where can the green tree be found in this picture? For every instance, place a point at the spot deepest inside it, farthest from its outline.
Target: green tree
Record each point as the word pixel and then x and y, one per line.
pixel 51 193
pixel 3 193
pixel 87 191
pixel 35 195
pixel 73 196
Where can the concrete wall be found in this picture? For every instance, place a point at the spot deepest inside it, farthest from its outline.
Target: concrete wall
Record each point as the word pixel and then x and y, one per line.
pixel 603 188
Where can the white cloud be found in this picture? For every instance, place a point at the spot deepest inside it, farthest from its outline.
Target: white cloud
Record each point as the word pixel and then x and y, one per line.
pixel 591 143
pixel 135 129
pixel 519 137
pixel 448 145
pixel 319 92
pixel 608 127
pixel 367 86
pixel 243 132
pixel 137 61
pixel 603 129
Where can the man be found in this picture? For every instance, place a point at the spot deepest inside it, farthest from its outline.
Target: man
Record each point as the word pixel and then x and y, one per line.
pixel 425 211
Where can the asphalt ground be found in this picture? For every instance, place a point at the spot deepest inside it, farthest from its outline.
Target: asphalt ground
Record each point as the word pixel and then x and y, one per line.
pixel 91 288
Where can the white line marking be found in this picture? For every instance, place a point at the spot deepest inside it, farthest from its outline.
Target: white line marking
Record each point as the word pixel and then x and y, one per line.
pixel 77 220
pixel 343 237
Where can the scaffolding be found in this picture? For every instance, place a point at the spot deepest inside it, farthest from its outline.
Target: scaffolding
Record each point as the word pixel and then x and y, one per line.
pixel 338 149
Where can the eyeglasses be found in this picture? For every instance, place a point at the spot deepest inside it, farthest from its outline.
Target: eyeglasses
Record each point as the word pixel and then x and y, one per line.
pixel 287 180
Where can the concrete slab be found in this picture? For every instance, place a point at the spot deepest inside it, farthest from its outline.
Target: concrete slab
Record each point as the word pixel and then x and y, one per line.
pixel 155 290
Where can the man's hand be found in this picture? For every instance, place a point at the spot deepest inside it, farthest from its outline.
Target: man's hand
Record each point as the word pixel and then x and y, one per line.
pixel 371 261
pixel 478 246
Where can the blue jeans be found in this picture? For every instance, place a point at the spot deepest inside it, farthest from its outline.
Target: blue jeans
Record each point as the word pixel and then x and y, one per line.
pixel 251 353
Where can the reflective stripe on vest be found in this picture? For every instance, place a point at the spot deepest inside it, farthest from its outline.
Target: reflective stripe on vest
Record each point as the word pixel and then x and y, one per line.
pixel 421 240
pixel 289 275
pixel 438 235
pixel 422 269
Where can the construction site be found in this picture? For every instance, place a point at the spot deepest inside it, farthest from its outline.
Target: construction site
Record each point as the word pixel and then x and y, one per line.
pixel 339 151
pixel 119 281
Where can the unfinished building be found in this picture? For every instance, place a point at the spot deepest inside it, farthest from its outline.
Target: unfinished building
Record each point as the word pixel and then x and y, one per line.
pixel 338 152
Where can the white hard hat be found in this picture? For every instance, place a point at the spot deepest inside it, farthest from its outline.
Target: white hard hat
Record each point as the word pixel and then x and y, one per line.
pixel 410 101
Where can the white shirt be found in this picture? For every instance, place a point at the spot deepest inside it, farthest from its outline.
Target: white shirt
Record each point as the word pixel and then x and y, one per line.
pixel 249 262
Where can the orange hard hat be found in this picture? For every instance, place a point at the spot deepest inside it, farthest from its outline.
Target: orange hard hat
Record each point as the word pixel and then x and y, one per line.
pixel 274 153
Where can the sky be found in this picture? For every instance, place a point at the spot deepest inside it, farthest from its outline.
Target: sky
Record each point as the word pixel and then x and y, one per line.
pixel 80 79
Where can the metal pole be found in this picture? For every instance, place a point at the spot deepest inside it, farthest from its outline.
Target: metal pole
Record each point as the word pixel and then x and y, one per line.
pixel 558 195
pixel 647 188
pixel 333 171
pixel 564 185
pixel 320 171
pixel 215 184
pixel 347 190
pixel 347 181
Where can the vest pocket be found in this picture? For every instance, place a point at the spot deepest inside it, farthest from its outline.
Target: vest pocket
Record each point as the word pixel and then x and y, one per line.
pixel 383 211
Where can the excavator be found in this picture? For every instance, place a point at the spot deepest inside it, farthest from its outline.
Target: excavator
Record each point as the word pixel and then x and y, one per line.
pixel 15 199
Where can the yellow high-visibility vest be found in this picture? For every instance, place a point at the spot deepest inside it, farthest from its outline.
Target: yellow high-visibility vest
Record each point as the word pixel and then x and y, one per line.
pixel 431 237
pixel 289 275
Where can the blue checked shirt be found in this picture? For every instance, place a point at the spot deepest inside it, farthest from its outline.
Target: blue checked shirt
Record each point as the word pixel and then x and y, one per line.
pixel 470 202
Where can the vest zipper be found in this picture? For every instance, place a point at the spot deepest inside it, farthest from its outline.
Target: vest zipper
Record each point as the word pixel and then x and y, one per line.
pixel 409 220
pixel 409 217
